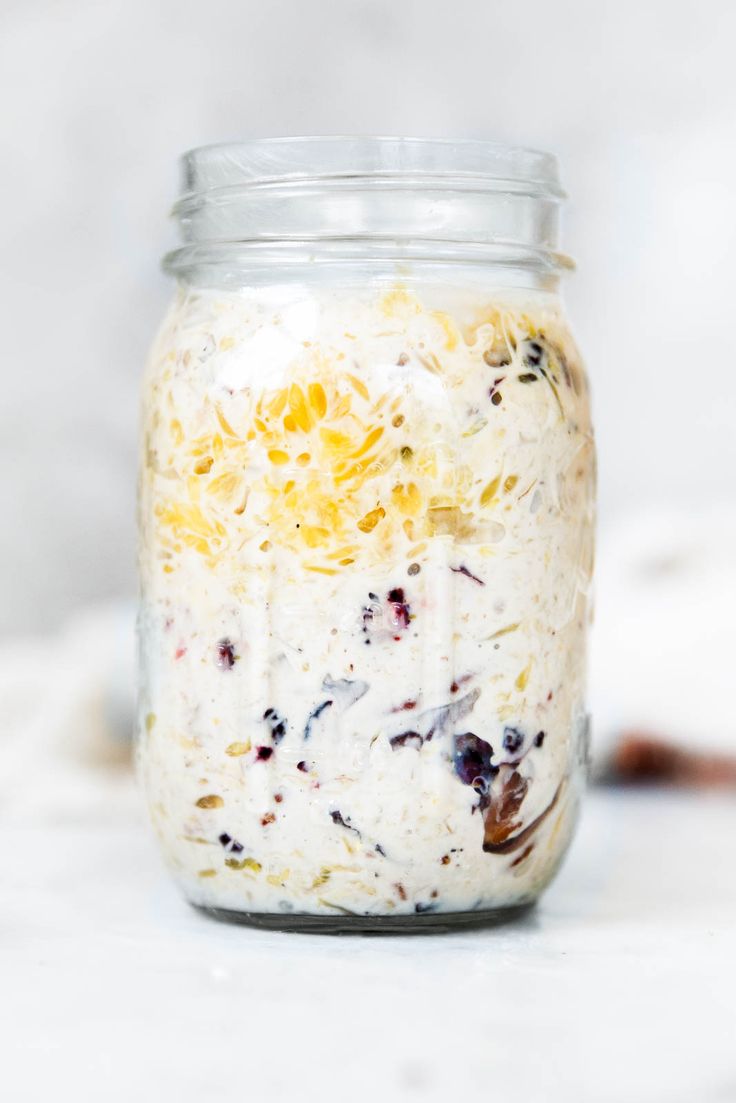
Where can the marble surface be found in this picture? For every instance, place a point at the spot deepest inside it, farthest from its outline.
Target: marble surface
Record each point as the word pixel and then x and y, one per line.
pixel 620 987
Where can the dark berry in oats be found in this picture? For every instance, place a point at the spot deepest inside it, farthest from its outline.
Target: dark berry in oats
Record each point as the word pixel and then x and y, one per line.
pixel 315 715
pixel 468 574
pixel 539 739
pixel 406 739
pixel 302 766
pixel 533 354
pixel 264 753
pixel 229 843
pixel 472 759
pixel 399 608
pixel 513 740
pixel 338 818
pixel 225 656
pixel 276 724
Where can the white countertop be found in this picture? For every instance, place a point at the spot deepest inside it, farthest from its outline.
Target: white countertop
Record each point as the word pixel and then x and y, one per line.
pixel 620 988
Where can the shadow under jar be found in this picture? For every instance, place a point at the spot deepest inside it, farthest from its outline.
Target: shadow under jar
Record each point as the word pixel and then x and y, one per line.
pixel 366 526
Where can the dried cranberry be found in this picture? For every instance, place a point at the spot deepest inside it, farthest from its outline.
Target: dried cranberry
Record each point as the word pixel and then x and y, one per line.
pixel 407 706
pixel 264 753
pixel 407 739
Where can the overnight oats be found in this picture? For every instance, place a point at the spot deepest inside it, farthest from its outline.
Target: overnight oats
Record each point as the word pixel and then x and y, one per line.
pixel 366 509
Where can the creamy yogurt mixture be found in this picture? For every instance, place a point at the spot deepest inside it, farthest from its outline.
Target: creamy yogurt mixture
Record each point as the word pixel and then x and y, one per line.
pixel 366 553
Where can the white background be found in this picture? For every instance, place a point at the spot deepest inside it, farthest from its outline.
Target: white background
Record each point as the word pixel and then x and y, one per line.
pixel 638 99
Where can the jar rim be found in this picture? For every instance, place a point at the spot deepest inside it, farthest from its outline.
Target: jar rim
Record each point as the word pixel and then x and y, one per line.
pixel 263 161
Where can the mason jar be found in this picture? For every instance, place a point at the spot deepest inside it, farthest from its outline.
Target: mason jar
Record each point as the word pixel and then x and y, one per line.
pixel 366 527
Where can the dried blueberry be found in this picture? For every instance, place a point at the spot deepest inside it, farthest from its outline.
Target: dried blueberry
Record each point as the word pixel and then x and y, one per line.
pixel 399 607
pixel 337 818
pixel 303 767
pixel 539 739
pixel 472 760
pixel 314 715
pixel 468 574
pixel 276 723
pixel 230 844
pixel 533 354
pixel 225 656
pixel 264 753
pixel 513 740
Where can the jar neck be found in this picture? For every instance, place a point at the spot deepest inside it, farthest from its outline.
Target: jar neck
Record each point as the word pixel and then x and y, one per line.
pixel 378 205
pixel 234 266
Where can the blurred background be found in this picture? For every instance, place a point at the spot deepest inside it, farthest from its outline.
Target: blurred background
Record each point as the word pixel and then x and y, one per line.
pixel 638 99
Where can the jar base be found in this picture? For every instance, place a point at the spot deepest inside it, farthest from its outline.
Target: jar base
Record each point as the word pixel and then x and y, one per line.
pixel 422 923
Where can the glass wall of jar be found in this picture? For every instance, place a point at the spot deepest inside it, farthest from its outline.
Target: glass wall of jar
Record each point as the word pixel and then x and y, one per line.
pixel 366 524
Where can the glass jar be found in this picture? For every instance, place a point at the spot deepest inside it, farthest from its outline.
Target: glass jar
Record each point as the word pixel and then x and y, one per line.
pixel 366 521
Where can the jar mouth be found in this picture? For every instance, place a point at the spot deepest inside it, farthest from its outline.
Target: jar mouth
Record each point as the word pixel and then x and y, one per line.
pixel 362 189
pixel 268 161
